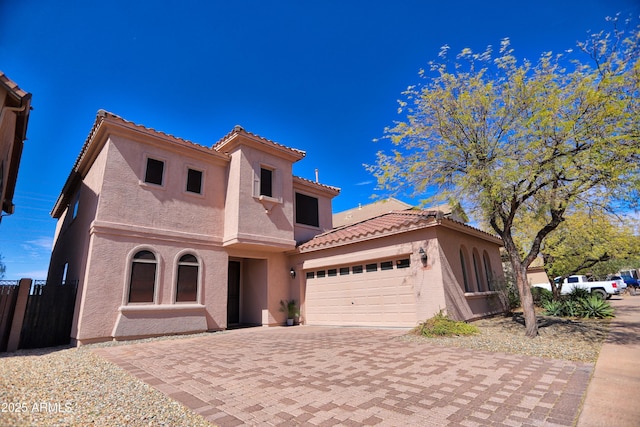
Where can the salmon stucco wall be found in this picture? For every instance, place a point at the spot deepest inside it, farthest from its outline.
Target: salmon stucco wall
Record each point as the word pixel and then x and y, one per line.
pixel 479 300
pixel 249 218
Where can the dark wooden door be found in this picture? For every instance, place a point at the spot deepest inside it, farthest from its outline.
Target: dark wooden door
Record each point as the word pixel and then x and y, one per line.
pixel 233 295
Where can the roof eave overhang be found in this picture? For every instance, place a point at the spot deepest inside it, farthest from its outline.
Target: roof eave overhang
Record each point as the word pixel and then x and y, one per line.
pixel 241 137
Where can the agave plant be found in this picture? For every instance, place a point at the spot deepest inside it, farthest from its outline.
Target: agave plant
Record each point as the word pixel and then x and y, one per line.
pixel 553 308
pixel 595 307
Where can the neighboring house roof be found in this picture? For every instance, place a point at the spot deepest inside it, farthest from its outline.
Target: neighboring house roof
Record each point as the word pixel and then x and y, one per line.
pixel 230 140
pixel 95 140
pixel 388 224
pixel 370 210
pixel 20 102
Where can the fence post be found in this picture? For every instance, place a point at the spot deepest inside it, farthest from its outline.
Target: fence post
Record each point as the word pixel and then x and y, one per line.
pixel 18 314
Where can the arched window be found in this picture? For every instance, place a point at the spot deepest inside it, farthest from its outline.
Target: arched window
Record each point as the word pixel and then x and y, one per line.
pixel 487 269
pixel 465 277
pixel 476 270
pixel 143 277
pixel 187 281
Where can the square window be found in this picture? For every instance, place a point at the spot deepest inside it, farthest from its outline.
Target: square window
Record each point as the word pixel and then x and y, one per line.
pixel 320 273
pixel 333 272
pixel 311 274
pixel 307 210
pixel 344 271
pixel 194 181
pixel 372 267
pixel 356 269
pixel 266 182
pixel 154 172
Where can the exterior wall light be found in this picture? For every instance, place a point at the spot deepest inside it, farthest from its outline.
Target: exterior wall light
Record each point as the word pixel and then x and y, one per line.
pixel 423 256
pixel 292 273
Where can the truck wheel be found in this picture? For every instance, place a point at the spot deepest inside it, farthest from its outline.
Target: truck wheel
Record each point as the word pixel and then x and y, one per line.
pixel 600 293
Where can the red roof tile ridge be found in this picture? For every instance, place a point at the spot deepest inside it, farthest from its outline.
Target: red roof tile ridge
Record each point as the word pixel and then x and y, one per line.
pixel 409 219
pixel 308 181
pixel 104 113
pixel 12 86
pixel 237 129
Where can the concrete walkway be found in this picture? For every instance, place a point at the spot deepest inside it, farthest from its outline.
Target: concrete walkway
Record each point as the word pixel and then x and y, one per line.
pixel 614 390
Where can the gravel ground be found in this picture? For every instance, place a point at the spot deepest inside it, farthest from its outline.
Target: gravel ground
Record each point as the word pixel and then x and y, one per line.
pixel 72 386
pixel 578 340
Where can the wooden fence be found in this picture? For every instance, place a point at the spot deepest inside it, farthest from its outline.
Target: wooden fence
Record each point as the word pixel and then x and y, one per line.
pixel 8 298
pixel 37 314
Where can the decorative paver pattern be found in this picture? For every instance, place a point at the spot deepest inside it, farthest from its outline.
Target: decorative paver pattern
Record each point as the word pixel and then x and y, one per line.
pixel 353 377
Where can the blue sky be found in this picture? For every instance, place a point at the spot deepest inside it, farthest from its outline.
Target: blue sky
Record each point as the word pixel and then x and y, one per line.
pixel 321 76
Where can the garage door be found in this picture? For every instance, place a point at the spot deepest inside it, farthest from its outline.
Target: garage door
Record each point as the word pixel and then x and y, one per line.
pixel 369 294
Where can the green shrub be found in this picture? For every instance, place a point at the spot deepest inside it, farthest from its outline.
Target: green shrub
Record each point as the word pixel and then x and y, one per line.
pixel 553 308
pixel 571 308
pixel 441 326
pixel 595 307
pixel 577 294
pixel 541 296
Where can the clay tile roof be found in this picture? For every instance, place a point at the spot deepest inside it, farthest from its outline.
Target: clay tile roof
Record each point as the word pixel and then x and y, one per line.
pixel 239 130
pixel 385 224
pixel 103 113
pixel 12 86
pixel 306 181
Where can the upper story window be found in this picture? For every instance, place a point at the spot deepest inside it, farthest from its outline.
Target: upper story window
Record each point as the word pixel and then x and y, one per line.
pixel 307 210
pixel 266 182
pixel 155 171
pixel 143 277
pixel 76 205
pixel 194 181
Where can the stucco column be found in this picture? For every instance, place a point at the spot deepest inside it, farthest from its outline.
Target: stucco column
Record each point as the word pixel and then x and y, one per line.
pixel 18 314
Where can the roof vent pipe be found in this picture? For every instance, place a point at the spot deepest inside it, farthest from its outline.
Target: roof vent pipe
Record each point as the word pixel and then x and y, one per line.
pixel 317 175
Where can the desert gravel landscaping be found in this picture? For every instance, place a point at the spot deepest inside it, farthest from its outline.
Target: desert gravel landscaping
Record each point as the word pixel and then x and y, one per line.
pixel 74 386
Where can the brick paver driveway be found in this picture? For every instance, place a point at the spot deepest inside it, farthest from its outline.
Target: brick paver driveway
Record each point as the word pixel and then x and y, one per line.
pixel 353 376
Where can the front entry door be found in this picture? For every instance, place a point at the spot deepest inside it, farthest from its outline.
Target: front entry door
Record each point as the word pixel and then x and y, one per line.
pixel 233 295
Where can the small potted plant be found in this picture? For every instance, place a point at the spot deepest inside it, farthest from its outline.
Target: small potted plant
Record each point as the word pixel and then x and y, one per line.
pixel 291 308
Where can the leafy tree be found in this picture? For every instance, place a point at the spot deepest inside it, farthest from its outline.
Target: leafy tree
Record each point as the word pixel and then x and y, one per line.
pixel 520 140
pixel 587 242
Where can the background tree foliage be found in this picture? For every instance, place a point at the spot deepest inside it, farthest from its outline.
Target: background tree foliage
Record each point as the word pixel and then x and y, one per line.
pixel 591 242
pixel 520 141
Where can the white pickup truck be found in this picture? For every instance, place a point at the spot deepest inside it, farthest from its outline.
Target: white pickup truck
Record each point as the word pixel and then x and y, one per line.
pixel 604 289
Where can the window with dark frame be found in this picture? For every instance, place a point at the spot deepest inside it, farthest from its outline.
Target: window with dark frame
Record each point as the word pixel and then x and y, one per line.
pixel 344 271
pixel 194 181
pixel 332 272
pixel 386 265
pixel 266 182
pixel 321 273
pixel 154 172
pixel 187 282
pixel 356 269
pixel 311 274
pixel 371 267
pixel 403 263
pixel 464 272
pixel 307 210
pixel 143 277
pixel 487 270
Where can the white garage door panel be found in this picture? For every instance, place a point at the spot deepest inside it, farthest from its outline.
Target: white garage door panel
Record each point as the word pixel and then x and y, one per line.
pixel 379 298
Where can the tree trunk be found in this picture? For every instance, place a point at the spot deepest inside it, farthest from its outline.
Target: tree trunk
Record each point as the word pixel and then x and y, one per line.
pixel 526 299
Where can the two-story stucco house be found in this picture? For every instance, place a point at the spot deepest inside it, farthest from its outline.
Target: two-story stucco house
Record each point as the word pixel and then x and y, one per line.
pixel 166 236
